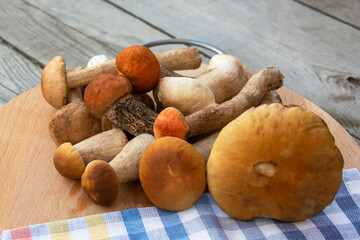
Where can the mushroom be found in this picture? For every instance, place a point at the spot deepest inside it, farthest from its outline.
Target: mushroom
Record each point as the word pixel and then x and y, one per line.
pixel 125 166
pixel 172 174
pixel 100 182
pixel 216 117
pixel 109 95
pixel 171 122
pixel 55 80
pixel 184 93
pixel 73 123
pixel 97 60
pixel 70 160
pixel 274 161
pixel 205 144
pixel 271 97
pixel 225 76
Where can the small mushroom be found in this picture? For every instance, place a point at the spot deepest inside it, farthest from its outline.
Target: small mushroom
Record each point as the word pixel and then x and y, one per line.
pixel 70 160
pixel 172 174
pixel 100 182
pixel 171 122
pixel 125 166
pixel 225 77
pixel 109 95
pixel 73 123
pixel 140 65
pixel 186 94
pixel 274 161
pixel 97 60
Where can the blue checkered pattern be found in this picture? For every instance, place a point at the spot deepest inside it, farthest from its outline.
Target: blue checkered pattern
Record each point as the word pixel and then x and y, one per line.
pixel 205 220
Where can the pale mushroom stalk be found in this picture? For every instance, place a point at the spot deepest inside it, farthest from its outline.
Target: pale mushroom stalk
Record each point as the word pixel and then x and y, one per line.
pixel 55 80
pixel 70 160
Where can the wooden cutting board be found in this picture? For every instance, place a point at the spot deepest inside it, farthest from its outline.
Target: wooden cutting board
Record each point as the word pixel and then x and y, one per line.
pixel 32 191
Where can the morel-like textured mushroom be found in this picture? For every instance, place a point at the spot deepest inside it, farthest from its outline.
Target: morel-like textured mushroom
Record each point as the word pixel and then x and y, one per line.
pixel 274 161
pixel 172 173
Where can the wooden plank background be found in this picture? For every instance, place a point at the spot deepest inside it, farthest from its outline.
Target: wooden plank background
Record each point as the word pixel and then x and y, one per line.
pixel 314 43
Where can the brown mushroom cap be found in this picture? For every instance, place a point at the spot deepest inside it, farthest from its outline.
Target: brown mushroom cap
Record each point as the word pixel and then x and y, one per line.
pixel 53 82
pixel 73 123
pixel 68 161
pixel 100 182
pixel 172 173
pixel 104 91
pixel 274 161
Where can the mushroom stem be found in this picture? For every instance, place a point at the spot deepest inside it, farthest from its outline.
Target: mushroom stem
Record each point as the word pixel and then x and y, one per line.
pixel 126 163
pixel 132 116
pixel 104 146
pixel 75 95
pixel 271 97
pixel 179 59
pixel 213 118
pixel 205 144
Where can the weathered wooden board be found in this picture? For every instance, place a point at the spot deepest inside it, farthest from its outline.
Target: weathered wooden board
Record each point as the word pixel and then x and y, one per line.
pixel 17 74
pixel 319 62
pixel 33 192
pixel 347 11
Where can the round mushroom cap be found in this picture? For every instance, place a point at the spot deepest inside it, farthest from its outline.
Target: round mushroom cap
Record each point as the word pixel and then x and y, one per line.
pixel 73 123
pixel 53 82
pixel 100 182
pixel 274 161
pixel 68 161
pixel 140 65
pixel 172 174
pixel 171 122
pixel 104 91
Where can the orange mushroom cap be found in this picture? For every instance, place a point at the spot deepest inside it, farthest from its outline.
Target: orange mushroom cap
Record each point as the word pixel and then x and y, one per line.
pixel 140 65
pixel 104 91
pixel 171 122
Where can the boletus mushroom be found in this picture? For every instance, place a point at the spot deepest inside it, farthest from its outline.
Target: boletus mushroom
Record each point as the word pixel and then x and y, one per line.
pixel 172 173
pixel 274 161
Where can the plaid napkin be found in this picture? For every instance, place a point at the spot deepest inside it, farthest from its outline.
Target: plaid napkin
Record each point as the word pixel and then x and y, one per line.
pixel 205 220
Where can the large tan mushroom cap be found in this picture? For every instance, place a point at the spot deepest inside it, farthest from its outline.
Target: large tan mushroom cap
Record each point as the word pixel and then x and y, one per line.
pixel 73 123
pixel 100 182
pixel 68 161
pixel 274 161
pixel 172 173
pixel 53 82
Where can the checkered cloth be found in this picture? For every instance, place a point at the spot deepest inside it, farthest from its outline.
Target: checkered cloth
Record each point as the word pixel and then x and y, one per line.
pixel 205 220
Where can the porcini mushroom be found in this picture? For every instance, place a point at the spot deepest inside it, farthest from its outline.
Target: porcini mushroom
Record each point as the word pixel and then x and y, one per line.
pixel 225 76
pixel 100 182
pixel 171 122
pixel 73 123
pixel 70 160
pixel 274 161
pixel 55 80
pixel 172 174
pixel 216 117
pixel 184 93
pixel 125 166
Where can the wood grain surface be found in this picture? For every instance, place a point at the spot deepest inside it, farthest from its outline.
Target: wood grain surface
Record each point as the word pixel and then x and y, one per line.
pixel 33 192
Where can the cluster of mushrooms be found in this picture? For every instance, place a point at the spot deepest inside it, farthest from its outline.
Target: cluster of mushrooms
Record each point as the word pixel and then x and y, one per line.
pixel 226 128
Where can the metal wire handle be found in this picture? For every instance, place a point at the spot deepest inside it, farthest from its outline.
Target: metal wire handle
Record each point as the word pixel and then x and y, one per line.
pixel 184 41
